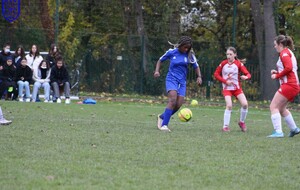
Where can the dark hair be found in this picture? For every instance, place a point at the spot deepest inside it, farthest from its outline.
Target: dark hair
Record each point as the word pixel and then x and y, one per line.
pixel 51 50
pixel 235 52
pixel 184 40
pixel 37 53
pixel 47 63
pixel 22 51
pixel 286 41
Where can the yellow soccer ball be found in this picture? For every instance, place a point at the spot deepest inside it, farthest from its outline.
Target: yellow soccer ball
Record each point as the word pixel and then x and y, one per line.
pixel 185 114
pixel 194 103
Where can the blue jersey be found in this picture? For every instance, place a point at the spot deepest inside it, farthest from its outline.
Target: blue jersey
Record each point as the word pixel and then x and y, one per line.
pixel 178 63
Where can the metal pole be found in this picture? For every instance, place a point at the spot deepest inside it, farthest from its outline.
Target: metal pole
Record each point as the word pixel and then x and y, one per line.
pixel 56 21
pixel 233 23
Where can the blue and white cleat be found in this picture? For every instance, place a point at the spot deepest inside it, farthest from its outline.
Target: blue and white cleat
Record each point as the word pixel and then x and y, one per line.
pixel 276 135
pixel 294 132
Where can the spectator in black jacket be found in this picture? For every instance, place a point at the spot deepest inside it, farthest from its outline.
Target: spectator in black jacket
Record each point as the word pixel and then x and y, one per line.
pixel 23 78
pixel 60 80
pixel 8 78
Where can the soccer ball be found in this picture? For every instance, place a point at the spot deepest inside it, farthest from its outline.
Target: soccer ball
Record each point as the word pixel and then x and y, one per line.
pixel 194 103
pixel 185 114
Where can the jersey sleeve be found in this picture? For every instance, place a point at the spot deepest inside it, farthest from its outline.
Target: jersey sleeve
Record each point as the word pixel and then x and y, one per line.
pixel 218 73
pixel 286 60
pixel 245 71
pixel 166 56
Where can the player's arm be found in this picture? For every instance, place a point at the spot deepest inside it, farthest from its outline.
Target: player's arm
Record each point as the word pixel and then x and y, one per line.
pixel 218 75
pixel 288 66
pixel 198 73
pixel 157 68
pixel 246 73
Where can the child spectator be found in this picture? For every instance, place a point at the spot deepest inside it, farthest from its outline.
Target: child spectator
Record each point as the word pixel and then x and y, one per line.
pixel 19 53
pixel 23 78
pixel 60 79
pixel 8 77
pixel 41 76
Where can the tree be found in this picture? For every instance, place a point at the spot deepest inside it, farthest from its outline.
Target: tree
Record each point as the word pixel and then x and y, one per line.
pixel 265 32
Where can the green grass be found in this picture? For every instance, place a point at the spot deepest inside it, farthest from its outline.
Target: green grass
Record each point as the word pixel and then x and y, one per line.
pixel 114 145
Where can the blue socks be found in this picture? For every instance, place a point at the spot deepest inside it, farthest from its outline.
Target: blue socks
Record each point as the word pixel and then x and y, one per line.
pixel 166 116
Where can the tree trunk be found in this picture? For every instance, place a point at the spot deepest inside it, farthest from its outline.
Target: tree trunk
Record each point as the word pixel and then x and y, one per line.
pixel 265 32
pixel 46 20
pixel 271 56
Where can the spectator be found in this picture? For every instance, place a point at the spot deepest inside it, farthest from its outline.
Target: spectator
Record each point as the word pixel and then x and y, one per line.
pixel 41 76
pixel 60 80
pixel 4 54
pixel 23 78
pixel 19 53
pixel 34 58
pixel 8 77
pixel 53 54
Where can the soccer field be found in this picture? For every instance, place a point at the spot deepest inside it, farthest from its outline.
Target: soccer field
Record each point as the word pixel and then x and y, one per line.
pixel 116 145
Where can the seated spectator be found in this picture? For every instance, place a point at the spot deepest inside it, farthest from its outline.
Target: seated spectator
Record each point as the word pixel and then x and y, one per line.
pixel 41 78
pixel 34 58
pixel 19 53
pixel 23 78
pixel 53 54
pixel 8 77
pixel 60 80
pixel 5 53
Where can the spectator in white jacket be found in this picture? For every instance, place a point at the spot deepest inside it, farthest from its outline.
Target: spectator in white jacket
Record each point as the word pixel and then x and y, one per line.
pixel 34 58
pixel 41 78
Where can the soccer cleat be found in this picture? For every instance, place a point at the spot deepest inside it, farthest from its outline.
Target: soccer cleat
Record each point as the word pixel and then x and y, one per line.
pixel 242 126
pixel 58 100
pixel 20 99
pixel 226 129
pixel 68 101
pixel 46 101
pixel 276 135
pixel 159 122
pixel 5 122
pixel 294 132
pixel 164 128
pixel 27 100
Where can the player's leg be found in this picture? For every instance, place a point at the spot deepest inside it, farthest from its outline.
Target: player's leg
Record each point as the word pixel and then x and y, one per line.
pixel 3 121
pixel 227 113
pixel 278 102
pixel 244 111
pixel 172 96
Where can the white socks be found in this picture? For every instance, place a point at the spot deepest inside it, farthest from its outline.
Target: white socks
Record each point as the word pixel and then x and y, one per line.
pixel 227 115
pixel 276 120
pixel 243 114
pixel 290 122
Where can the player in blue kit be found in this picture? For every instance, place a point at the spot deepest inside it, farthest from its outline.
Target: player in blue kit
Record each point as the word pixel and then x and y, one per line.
pixel 180 57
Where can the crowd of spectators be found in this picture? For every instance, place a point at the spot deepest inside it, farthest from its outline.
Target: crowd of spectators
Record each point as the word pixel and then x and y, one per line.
pixel 20 71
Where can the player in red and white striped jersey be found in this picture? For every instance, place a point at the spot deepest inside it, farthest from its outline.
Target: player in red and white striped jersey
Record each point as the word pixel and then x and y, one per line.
pixel 228 72
pixel 287 75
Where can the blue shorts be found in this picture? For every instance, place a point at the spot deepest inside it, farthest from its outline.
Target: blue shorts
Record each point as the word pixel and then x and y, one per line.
pixel 173 84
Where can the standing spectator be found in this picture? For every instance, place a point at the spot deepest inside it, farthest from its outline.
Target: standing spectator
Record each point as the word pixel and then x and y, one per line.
pixel 3 57
pixel 34 58
pixel 23 78
pixel 19 53
pixel 53 54
pixel 228 72
pixel 287 75
pixel 60 80
pixel 180 57
pixel 8 77
pixel 4 54
pixel 41 76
